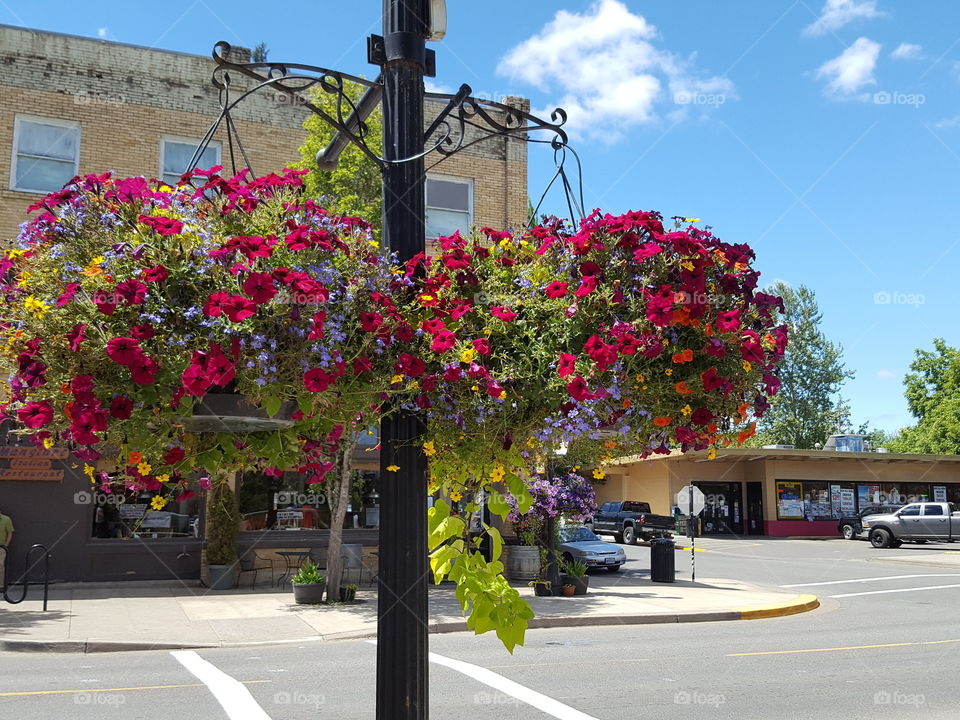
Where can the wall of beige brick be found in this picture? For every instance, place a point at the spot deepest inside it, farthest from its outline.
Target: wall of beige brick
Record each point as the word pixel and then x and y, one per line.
pixel 127 98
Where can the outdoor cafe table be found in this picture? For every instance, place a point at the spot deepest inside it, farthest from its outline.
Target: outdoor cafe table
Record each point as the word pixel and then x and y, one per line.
pixel 294 560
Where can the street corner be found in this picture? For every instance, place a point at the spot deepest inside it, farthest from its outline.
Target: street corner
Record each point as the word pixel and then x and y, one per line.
pixel 793 606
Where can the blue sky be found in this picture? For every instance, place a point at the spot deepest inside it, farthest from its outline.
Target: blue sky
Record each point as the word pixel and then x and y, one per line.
pixel 825 133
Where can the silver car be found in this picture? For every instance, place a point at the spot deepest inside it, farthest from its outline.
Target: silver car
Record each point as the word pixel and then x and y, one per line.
pixel 580 543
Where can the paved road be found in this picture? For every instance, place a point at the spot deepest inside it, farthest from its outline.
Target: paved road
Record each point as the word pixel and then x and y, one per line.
pixel 884 645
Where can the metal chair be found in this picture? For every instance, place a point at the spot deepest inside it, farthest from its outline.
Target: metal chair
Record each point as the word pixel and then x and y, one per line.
pixel 252 562
pixel 352 556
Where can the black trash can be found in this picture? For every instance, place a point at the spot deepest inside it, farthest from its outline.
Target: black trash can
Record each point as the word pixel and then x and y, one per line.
pixel 662 568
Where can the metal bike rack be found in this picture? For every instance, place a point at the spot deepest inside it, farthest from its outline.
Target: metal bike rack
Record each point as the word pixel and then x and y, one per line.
pixel 25 578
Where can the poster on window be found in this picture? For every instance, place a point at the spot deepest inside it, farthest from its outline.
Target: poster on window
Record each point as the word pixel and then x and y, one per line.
pixel 847 502
pixel 790 501
pixel 835 500
pixel 869 495
pixel 939 493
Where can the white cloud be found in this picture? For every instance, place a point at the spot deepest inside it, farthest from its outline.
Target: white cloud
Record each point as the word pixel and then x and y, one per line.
pixel 837 13
pixel 102 32
pixel 886 374
pixel 907 51
pixel 608 71
pixel 951 122
pixel 852 70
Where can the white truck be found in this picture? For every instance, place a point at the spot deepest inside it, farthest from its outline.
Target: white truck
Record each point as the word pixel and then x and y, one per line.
pixel 916 522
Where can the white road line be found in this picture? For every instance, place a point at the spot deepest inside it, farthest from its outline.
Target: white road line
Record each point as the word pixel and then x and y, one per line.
pixel 901 590
pixel 541 702
pixel 872 579
pixel 232 695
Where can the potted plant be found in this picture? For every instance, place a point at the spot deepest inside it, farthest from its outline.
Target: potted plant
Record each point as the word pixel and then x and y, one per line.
pixel 223 524
pixel 348 593
pixel 308 585
pixel 541 588
pixel 576 575
pixel 569 590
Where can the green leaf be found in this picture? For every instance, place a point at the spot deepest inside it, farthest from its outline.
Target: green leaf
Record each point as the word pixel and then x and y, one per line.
pixel 272 405
pixel 496 542
pixel 498 504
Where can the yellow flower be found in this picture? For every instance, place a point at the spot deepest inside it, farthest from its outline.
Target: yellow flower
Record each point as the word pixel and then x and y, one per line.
pixel 158 502
pixel 35 307
pixel 429 449
pixel 686 410
pixel 475 388
pixel 467 355
pixel 711 453
pixel 396 379
pixel 48 443
pixel 502 395
pixel 746 366
pixel 455 496
pixel 687 265
pixel 669 371
pixel 393 468
pixel 498 473
pixel 691 219
pixel 163 478
pixel 144 468
pixel 598 474
pixel 88 471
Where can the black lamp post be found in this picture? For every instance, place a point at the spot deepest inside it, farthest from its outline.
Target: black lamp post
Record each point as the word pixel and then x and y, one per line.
pixel 402 652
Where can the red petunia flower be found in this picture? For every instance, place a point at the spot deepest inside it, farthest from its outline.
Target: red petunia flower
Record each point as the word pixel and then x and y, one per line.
pixel 214 305
pixel 369 322
pixel 556 289
pixel 174 455
pixel 67 295
pixel 362 365
pixel 238 308
pixel 35 414
pixel 728 321
pixel 410 365
pixel 504 313
pixel 579 390
pixel 443 341
pixel 482 346
pixel 452 374
pixel 317 380
pixel 106 302
pixel 121 407
pixel 154 274
pixel 132 291
pixel 701 416
pixel 124 350
pixel 142 332
pixel 433 326
pixel 144 370
pixel 162 225
pixel 76 336
pixel 587 286
pixel 567 364
pixel 259 287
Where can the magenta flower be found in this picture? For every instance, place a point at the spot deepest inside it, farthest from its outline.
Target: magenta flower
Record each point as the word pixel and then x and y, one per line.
pixel 504 313
pixel 154 274
pixel 121 407
pixel 556 289
pixel 162 225
pixel 443 341
pixel 238 308
pixel 35 414
pixel 76 336
pixel 132 291
pixel 124 350
pixel 259 287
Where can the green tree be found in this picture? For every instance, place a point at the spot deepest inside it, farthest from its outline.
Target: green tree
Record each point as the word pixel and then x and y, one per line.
pixel 807 409
pixel 355 186
pixel 932 389
pixel 260 53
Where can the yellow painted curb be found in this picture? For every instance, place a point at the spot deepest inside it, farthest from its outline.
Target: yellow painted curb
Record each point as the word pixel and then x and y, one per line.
pixel 804 603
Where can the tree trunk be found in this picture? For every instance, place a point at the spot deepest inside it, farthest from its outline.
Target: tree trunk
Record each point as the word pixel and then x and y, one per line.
pixel 337 498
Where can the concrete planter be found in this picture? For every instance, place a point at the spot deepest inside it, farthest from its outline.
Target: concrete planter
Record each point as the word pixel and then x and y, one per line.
pixel 308 594
pixel 222 577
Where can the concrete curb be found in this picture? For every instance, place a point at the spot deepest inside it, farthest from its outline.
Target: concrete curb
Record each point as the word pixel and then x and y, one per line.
pixel 801 604
pixel 804 603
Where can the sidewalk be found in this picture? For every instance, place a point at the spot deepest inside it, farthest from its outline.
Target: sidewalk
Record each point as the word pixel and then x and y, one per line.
pixel 104 617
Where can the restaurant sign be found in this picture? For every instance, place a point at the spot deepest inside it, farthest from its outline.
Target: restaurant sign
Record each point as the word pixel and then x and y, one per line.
pixel 28 463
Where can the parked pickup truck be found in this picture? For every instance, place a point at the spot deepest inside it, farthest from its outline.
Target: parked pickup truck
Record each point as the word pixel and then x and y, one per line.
pixel 851 526
pixel 917 522
pixel 629 521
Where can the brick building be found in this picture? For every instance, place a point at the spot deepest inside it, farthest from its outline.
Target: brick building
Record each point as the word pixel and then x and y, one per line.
pixel 73 105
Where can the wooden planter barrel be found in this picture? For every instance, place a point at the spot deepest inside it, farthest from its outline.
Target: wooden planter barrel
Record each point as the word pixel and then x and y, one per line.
pixel 522 562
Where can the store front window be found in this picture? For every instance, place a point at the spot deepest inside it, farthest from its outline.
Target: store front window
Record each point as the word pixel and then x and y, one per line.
pixel 133 514
pixel 806 500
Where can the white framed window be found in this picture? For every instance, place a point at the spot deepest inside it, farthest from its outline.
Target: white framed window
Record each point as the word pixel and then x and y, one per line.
pixel 46 153
pixel 449 205
pixel 175 155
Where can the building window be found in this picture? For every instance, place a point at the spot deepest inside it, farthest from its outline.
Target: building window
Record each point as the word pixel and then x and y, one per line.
pixel 449 206
pixel 46 154
pixel 175 156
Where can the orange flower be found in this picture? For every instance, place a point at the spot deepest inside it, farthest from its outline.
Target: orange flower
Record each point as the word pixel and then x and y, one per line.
pixel 683 388
pixel 712 428
pixel 681 316
pixel 68 410
pixel 682 357
pixel 661 421
pixel 746 434
pixel 708 329
pixel 65 388
pixel 136 458
pixel 626 403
